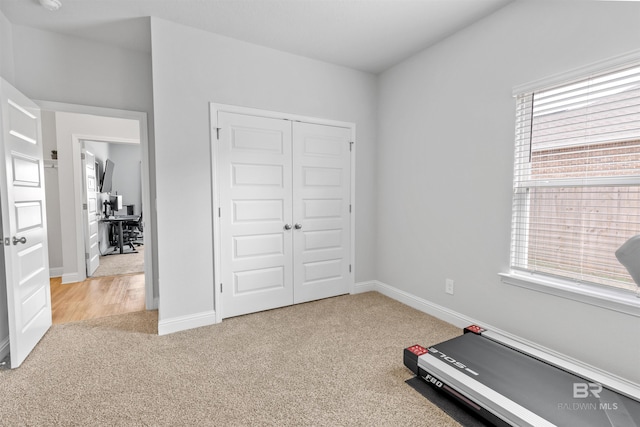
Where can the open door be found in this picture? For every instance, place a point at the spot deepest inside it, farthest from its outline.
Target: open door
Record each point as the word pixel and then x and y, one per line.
pixel 24 228
pixel 91 212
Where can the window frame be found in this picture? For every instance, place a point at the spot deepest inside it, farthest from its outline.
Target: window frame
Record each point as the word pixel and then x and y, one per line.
pixel 620 300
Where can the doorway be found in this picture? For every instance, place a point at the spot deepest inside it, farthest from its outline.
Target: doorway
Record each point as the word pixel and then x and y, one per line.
pixel 135 286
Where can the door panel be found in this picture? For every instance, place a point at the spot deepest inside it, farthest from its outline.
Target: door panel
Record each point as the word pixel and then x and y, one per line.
pixel 254 154
pixel 91 213
pixel 321 194
pixel 23 224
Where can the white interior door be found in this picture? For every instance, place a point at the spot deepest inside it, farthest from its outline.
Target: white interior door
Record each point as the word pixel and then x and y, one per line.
pixel 91 213
pixel 254 179
pixel 322 196
pixel 24 227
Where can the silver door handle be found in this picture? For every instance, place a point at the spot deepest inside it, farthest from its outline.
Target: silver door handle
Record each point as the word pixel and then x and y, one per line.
pixel 298 226
pixel 20 240
pixel 287 226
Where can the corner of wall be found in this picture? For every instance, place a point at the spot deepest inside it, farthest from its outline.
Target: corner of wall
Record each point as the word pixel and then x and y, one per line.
pixel 7 70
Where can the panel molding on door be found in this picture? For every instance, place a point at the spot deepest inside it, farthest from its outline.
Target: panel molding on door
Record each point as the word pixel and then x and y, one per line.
pixel 322 199
pixel 283 200
pixel 25 250
pixel 255 204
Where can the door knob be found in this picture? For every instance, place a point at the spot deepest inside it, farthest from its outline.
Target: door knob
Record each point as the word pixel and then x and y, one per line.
pixel 287 226
pixel 20 240
pixel 298 226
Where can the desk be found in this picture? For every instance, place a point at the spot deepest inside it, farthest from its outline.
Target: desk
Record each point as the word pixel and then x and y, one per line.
pixel 118 220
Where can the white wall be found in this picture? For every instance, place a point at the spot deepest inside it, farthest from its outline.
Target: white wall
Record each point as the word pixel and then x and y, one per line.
pixel 52 194
pixel 68 126
pixel 56 67
pixel 446 139
pixel 192 68
pixel 126 176
pixel 6 49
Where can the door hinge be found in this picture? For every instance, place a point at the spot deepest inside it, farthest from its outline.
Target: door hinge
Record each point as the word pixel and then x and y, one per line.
pixel 220 287
pixel 86 255
pixel 349 208
pixel 218 133
pixel 351 145
pixel 219 213
pixel 84 206
pixel 82 156
pixel 349 268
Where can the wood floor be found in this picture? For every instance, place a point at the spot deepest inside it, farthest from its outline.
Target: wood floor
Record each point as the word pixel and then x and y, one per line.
pixel 96 297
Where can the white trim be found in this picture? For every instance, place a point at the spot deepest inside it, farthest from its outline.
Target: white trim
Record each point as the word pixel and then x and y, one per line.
pixel 418 303
pixel 612 299
pixel 457 319
pixel 190 321
pixel 72 277
pixel 4 348
pixel 214 109
pixel 149 214
pixel 56 272
pixel 628 59
pixel 369 286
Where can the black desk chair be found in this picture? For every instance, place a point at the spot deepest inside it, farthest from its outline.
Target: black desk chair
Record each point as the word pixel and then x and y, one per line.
pixel 132 232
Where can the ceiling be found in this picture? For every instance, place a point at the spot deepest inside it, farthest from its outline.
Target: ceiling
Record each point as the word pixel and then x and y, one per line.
pixel 367 35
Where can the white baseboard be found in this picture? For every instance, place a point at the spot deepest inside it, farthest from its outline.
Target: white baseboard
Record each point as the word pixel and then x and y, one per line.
pixel 71 278
pixel 418 303
pixel 460 320
pixel 4 347
pixel 182 323
pixel 56 272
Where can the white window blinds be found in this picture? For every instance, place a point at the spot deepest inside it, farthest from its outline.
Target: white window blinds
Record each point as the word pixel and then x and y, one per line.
pixel 577 178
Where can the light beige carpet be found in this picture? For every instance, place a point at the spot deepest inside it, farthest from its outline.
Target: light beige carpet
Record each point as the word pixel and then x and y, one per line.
pixel 112 265
pixel 335 362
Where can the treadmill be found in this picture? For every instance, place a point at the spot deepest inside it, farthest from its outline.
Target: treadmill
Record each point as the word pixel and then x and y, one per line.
pixel 510 384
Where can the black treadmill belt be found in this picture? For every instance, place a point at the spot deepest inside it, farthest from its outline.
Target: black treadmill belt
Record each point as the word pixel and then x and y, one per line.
pixel 539 387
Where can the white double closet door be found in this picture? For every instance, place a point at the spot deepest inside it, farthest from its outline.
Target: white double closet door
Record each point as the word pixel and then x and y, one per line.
pixel 284 220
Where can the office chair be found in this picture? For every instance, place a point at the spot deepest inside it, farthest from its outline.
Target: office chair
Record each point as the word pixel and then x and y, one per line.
pixel 132 232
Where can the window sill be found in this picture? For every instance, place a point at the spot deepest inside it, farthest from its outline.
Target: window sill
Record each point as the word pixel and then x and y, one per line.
pixel 617 300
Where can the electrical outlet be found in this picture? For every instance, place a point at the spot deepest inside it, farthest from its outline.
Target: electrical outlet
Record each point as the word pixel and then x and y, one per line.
pixel 448 287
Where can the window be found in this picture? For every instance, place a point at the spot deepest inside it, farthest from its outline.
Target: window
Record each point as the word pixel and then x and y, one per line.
pixel 577 179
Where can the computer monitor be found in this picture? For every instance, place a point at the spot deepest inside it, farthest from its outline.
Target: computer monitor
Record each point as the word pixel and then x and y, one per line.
pixel 107 176
pixel 116 202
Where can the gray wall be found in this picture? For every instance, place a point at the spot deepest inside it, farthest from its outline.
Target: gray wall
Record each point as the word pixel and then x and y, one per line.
pixel 446 144
pixel 126 176
pixel 52 193
pixel 6 49
pixel 192 68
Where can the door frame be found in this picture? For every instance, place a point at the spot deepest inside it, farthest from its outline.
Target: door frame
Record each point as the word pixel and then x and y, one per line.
pixel 214 109
pixel 151 297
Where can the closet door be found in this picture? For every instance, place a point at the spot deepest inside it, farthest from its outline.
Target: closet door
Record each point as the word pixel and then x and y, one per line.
pixel 321 211
pixel 254 179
